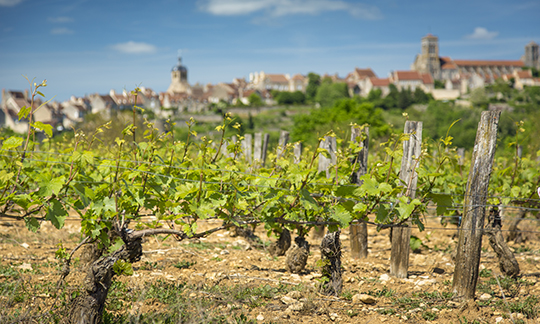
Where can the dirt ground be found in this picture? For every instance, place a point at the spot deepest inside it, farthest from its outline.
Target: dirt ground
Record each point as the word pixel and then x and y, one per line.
pixel 221 259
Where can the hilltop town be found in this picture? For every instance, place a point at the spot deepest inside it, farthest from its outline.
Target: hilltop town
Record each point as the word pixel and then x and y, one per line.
pixel 443 77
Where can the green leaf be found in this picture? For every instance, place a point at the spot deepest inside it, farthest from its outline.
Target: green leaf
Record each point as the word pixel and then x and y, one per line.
pixel 515 191
pixel 52 186
pixel 32 223
pixel 360 207
pixel 405 209
pixel 307 201
pixel 43 127
pixel 341 215
pixel 122 267
pixel 382 214
pixel 118 243
pixel 443 202
pixel 24 112
pixel 56 213
pixel 12 143
pixel 415 243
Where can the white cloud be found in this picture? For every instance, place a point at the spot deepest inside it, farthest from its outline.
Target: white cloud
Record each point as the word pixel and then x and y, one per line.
pixel 481 33
pixel 286 7
pixel 62 31
pixel 134 48
pixel 60 20
pixel 9 3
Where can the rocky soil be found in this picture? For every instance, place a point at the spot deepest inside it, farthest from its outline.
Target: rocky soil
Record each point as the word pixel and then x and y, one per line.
pixel 369 294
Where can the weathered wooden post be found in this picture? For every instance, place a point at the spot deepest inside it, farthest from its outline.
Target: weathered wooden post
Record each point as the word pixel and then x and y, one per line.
pixel 247 147
pixel 401 236
pixel 329 144
pixel 474 206
pixel 297 152
pixel 260 145
pixel 283 140
pixel 358 231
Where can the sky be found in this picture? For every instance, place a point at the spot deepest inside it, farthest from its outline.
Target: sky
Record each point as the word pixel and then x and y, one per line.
pixel 92 46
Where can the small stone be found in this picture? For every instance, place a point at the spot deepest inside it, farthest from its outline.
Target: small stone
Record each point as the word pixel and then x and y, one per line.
pixel 366 299
pixel 520 316
pixel 295 294
pixel 498 319
pixel 333 316
pixel 25 245
pixel 384 277
pixel 452 303
pixel 403 317
pixel 425 282
pixel 260 318
pixel 223 252
pixel 485 297
pixel 25 266
pixel 296 307
pixel 288 300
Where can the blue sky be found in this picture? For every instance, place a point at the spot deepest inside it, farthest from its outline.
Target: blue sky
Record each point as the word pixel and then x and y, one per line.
pixel 88 46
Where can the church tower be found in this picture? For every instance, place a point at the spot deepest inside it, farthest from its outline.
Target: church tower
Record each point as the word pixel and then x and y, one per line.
pixel 428 60
pixel 531 55
pixel 430 53
pixel 179 81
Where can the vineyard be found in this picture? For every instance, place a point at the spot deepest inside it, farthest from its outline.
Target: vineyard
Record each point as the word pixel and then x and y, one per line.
pixel 226 229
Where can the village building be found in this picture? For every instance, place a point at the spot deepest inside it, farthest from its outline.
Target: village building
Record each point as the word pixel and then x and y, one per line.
pixel 412 80
pixel 179 79
pixel 446 68
pixel 74 110
pixel 14 101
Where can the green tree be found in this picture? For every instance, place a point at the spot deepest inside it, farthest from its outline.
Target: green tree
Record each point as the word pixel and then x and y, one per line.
pixel 308 127
pixel 391 100
pixel 255 100
pixel 314 81
pixel 439 84
pixel 404 99
pixel 329 92
pixel 419 96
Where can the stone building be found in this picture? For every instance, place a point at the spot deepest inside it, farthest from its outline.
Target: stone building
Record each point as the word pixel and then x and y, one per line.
pixel 179 79
pixel 446 68
pixel 531 58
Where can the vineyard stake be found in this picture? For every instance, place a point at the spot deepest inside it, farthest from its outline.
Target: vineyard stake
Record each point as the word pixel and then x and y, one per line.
pixel 401 236
pixel 470 241
pixel 358 231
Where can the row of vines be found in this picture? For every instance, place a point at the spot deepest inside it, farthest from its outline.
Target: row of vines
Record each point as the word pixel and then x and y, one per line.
pixel 149 173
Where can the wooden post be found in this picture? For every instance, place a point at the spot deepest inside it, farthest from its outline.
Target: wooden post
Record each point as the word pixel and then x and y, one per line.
pixel 283 140
pixel 358 231
pixel 401 236
pixel 474 206
pixel 330 145
pixel 246 146
pixel 257 148
pixel 297 152
pixel 266 137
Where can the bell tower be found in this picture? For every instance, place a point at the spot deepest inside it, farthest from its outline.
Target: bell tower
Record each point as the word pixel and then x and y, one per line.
pixel 430 55
pixel 179 78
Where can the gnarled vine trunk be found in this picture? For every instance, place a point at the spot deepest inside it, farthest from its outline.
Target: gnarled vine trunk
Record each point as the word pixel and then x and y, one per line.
pixel 281 246
pixel 88 307
pixel 297 255
pixel 507 261
pixel 331 257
